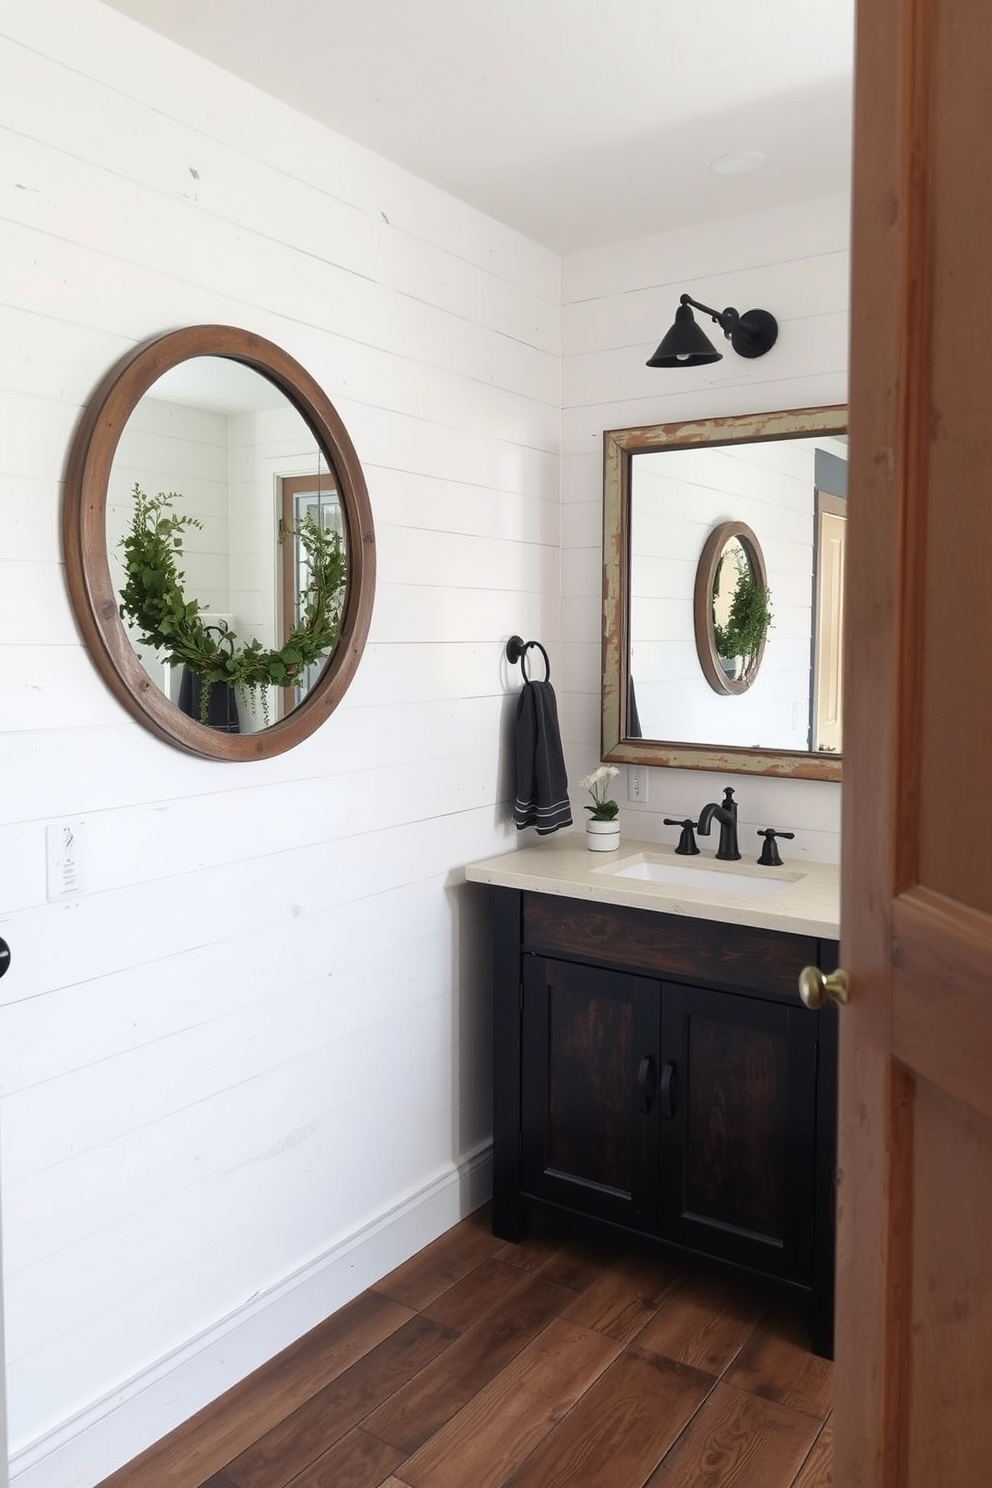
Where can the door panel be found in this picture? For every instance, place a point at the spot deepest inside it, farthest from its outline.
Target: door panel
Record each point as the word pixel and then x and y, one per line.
pixel 589 1097
pixel 737 1154
pixel 914 1339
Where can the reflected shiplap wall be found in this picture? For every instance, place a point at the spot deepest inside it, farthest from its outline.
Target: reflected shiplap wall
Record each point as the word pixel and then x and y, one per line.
pixel 617 303
pixel 679 497
pixel 246 1071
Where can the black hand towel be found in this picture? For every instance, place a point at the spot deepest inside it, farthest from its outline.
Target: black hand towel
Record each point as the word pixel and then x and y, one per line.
pixel 542 785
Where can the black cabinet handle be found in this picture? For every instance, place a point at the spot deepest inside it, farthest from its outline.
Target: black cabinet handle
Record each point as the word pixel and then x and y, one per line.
pixel 4 956
pixel 645 1083
pixel 668 1092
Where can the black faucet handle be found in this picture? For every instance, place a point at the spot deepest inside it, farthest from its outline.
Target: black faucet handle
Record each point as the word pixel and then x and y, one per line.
pixel 687 842
pixel 770 855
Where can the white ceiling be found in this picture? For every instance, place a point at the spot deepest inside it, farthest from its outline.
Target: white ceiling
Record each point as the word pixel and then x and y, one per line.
pixel 576 121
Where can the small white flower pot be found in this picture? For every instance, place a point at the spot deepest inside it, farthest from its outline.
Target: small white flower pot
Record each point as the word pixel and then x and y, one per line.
pixel 603 836
pixel 256 708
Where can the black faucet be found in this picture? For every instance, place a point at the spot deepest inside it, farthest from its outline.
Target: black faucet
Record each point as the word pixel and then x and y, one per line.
pixel 726 815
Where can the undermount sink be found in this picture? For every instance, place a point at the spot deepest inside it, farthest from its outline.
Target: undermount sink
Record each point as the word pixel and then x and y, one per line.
pixel 750 883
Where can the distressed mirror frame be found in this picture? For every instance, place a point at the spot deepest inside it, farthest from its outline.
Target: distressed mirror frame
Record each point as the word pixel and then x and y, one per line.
pixel 84 538
pixel 619 447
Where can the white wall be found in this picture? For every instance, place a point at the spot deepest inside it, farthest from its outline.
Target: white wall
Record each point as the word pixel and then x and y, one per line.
pixel 246 1071
pixel 617 303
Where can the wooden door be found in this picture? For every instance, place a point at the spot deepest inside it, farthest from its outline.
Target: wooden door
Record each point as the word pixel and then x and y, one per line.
pixel 590 1090
pixel 914 1342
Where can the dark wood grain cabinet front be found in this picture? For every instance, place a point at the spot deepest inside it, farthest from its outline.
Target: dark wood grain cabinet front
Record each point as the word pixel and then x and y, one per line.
pixel 660 1074
pixel 588 1061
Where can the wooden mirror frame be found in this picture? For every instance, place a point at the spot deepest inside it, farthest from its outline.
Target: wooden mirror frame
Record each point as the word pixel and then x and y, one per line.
pixel 702 605
pixel 619 447
pixel 84 538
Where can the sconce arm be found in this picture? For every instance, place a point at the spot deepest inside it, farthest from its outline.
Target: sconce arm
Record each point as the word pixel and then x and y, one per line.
pixel 728 320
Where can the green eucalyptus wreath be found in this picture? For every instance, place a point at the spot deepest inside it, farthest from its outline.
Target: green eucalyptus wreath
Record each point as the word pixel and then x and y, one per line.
pixel 153 602
pixel 750 614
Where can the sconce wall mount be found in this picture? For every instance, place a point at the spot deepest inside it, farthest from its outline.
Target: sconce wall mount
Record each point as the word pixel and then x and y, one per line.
pixel 687 345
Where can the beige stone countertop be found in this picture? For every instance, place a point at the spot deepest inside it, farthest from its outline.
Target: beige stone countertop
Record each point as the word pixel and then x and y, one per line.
pixel 800 897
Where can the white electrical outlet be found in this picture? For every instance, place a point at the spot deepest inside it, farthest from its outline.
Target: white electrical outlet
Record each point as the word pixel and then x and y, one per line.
pixel 637 784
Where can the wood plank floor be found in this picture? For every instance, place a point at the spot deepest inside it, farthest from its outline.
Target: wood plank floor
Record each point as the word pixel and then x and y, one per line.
pixel 558 1363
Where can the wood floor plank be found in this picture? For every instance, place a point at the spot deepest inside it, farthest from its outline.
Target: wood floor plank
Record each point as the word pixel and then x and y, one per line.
pixel 423 1406
pixel 777 1364
pixel 441 1264
pixel 737 1439
pixel 356 1461
pixel 203 1444
pixel 471 1298
pixel 533 1252
pixel 578 1263
pixel 817 1470
pixel 624 1296
pixel 312 1428
pixel 621 1428
pixel 217 1481
pixel 491 1436
pixel 704 1323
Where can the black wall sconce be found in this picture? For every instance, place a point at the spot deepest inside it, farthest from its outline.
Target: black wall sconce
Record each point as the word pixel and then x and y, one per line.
pixel 686 345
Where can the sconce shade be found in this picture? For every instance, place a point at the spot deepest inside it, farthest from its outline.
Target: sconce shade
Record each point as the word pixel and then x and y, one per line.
pixel 685 345
pixel 750 334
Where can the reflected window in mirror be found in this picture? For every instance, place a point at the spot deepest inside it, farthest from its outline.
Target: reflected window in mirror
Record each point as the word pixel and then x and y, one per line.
pixel 667 489
pixel 301 498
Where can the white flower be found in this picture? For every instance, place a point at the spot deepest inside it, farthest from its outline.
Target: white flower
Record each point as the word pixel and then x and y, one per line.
pixel 598 786
pixel 602 775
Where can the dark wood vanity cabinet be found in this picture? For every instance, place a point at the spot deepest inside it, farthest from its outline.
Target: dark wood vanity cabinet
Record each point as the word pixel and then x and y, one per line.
pixel 659 1073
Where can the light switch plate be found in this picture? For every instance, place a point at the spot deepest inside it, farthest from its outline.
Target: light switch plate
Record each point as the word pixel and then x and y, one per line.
pixel 64 859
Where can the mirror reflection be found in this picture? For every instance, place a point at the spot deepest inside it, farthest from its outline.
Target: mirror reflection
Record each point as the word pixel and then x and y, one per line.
pixel 247 483
pixel 780 479
pixel 732 608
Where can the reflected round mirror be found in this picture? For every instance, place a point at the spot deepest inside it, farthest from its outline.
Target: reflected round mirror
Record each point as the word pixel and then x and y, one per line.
pixel 731 608
pixel 219 543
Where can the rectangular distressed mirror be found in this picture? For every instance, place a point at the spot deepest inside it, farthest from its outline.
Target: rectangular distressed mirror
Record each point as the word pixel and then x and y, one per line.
pixel 669 696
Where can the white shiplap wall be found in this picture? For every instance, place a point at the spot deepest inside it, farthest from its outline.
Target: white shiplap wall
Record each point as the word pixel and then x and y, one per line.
pixel 246 1071
pixel 617 303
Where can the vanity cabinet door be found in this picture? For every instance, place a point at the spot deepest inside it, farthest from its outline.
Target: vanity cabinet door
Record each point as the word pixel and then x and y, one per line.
pixel 589 1095
pixel 739 1134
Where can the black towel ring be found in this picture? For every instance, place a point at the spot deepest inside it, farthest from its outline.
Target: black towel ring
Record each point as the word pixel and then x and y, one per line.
pixel 516 650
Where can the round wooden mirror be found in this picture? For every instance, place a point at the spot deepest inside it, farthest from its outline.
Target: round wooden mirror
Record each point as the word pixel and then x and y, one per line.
pixel 731 612
pixel 223 445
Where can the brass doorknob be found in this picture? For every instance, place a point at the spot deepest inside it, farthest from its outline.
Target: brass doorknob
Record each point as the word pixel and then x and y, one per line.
pixel 815 988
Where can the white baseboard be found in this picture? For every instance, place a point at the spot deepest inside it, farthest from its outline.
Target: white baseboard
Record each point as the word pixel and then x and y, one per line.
pixel 82 1451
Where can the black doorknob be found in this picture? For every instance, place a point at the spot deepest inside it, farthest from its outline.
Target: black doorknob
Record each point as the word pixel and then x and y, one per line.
pixel 4 956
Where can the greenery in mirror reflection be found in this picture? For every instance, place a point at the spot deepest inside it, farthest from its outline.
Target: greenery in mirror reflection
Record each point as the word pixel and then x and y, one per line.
pixel 153 602
pixel 750 616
